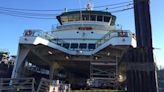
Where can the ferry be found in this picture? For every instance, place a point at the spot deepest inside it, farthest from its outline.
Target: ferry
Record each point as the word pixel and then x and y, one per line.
pixel 85 51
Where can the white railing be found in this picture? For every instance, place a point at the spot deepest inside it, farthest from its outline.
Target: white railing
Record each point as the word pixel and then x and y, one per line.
pixel 45 35
pixel 111 35
pixel 38 33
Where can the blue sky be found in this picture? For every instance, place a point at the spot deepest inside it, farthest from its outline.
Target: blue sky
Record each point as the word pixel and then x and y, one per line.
pixel 12 28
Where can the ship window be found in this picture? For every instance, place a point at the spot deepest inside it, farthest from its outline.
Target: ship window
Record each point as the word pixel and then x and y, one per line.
pixel 66 45
pixel 85 17
pixel 64 19
pixel 83 46
pixel 70 18
pixel 93 17
pixel 74 45
pixel 77 17
pixel 99 18
pixel 91 46
pixel 59 44
pixel 106 19
pixel 74 17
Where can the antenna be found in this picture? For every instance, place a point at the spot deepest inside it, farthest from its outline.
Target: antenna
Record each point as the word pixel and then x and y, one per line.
pixel 65 10
pixel 89 6
pixel 81 13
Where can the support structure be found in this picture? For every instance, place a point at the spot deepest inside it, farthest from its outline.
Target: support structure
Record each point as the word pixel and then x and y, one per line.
pixel 141 69
pixel 140 74
pixel 23 51
pixel 53 70
pixel 104 74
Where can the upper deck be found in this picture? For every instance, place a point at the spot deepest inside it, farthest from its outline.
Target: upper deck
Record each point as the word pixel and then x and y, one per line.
pixel 92 16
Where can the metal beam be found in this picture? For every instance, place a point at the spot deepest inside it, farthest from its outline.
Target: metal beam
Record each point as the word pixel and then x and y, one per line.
pixel 20 61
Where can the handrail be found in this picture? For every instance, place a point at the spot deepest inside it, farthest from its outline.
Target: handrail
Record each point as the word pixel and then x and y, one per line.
pixel 35 33
pixel 45 35
pixel 76 26
pixel 13 84
pixel 39 33
pixel 105 38
pixel 55 40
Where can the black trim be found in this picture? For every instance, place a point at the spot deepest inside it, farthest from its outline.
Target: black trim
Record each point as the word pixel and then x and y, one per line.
pixel 93 12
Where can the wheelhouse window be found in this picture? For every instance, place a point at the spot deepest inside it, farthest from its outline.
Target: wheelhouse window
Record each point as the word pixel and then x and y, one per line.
pixel 71 18
pixel 93 17
pixel 106 19
pixel 64 19
pixel 85 17
pixel 99 18
pixel 75 17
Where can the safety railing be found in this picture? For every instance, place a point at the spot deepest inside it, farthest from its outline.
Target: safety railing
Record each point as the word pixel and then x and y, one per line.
pixel 111 34
pixel 105 38
pixel 17 84
pixel 44 35
pixel 38 33
pixel 77 26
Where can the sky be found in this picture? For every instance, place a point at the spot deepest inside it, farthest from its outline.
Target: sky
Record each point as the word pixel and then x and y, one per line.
pixel 12 28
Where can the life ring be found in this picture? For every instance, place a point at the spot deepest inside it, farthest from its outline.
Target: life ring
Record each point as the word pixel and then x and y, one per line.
pixel 122 34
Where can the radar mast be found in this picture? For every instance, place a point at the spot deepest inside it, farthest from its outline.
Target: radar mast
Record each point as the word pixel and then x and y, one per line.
pixel 89 6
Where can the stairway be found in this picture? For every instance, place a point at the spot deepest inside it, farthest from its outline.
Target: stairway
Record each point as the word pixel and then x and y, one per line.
pixel 52 86
pixel 103 74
